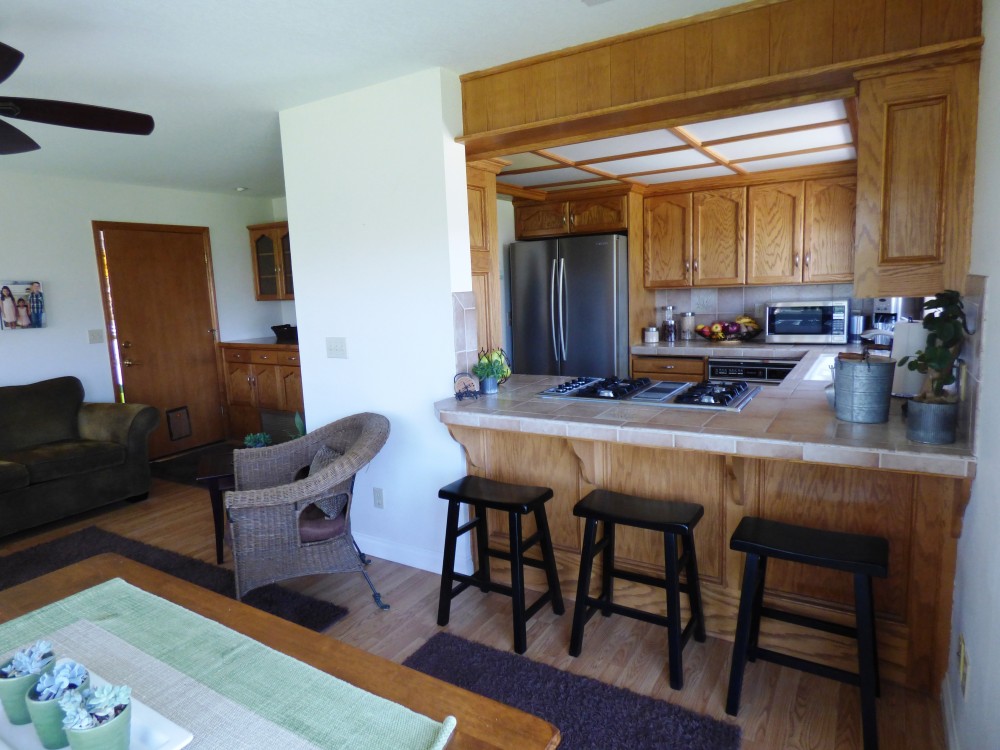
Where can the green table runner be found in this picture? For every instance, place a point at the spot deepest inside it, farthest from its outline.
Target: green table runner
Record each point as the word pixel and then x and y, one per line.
pixel 299 699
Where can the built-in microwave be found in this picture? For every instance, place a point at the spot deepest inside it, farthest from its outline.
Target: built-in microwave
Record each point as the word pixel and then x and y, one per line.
pixel 807 322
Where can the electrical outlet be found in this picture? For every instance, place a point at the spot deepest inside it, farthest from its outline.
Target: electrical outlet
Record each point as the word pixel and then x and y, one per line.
pixel 95 336
pixel 336 347
pixel 963 664
pixel 379 497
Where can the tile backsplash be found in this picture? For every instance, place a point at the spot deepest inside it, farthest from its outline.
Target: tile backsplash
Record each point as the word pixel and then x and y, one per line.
pixel 723 303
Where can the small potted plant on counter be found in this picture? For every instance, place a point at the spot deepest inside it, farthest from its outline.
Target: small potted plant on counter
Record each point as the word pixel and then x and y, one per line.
pixel 931 415
pixel 98 718
pixel 43 701
pixel 19 675
pixel 492 369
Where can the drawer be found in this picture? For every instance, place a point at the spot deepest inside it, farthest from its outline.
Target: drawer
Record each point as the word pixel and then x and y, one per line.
pixel 288 358
pixel 236 355
pixel 266 356
pixel 688 366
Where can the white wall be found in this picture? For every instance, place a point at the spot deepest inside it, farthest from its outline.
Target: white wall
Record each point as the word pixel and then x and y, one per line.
pixel 46 235
pixel 375 187
pixel 972 721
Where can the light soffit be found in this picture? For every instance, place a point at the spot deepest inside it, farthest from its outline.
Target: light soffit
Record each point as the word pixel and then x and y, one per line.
pixel 805 135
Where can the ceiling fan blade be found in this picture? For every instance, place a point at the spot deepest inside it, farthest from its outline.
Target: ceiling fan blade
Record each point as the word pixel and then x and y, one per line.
pixel 13 141
pixel 68 114
pixel 10 58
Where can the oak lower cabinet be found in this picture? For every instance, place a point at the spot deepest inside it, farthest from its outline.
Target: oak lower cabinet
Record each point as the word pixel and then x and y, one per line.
pixel 675 369
pixel 581 216
pixel 258 378
pixel 271 254
pixel 916 168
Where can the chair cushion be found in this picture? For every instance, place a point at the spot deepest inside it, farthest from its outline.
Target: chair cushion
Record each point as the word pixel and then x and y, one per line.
pixel 67 458
pixel 13 476
pixel 316 526
pixel 324 456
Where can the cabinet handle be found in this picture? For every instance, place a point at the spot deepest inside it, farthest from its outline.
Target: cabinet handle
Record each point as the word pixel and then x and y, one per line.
pixel 696 265
pixel 795 261
pixel 669 367
pixel 572 220
pixel 808 258
pixel 263 356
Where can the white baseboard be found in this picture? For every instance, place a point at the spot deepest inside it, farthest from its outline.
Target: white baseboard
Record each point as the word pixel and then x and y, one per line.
pixel 415 557
pixel 948 709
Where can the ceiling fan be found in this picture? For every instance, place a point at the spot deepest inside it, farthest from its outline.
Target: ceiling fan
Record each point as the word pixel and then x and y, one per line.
pixel 51 112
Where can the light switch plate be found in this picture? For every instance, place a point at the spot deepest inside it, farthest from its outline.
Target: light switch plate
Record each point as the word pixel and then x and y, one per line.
pixel 336 347
pixel 95 336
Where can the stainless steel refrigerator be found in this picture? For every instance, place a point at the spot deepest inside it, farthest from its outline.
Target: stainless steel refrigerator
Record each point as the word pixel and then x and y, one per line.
pixel 569 306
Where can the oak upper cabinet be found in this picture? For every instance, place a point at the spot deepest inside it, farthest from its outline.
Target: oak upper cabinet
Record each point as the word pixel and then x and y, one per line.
pixel 774 233
pixel 582 216
pixel 271 253
pixel 666 243
pixel 718 230
pixel 916 166
pixel 828 232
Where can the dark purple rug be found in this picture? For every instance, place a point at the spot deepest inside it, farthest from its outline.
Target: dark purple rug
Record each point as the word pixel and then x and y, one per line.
pixel 591 715
pixel 304 610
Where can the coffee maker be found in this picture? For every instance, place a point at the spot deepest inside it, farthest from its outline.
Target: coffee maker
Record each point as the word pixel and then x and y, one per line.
pixel 887 311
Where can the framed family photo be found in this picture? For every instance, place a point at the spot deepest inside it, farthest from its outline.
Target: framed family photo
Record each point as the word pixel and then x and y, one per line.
pixel 22 305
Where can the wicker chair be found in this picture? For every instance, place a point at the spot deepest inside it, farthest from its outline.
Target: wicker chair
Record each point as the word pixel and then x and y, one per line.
pixel 290 513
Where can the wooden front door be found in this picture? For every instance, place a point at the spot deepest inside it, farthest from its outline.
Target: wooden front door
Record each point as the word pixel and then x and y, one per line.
pixel 159 304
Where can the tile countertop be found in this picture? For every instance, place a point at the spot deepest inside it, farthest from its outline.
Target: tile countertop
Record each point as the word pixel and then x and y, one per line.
pixel 791 421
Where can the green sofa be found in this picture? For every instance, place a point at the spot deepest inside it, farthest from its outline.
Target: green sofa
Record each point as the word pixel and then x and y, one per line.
pixel 60 456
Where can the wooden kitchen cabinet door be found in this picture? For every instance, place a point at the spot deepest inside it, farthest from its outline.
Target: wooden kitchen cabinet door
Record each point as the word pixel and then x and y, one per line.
pixel 483 247
pixel 594 215
pixel 271 254
pixel 774 233
pixel 667 241
pixel 828 232
pixel 291 388
pixel 916 168
pixel 541 220
pixel 718 229
pixel 239 383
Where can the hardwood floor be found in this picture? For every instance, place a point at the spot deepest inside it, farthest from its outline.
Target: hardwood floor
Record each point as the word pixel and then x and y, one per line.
pixel 782 709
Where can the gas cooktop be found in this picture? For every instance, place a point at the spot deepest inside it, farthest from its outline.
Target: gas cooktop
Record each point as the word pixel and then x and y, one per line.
pixel 724 395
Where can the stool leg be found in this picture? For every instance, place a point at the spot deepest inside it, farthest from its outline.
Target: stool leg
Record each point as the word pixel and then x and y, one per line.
pixel 866 659
pixel 674 645
pixel 482 547
pixel 694 589
pixel 549 558
pixel 517 583
pixel 743 627
pixel 448 565
pixel 583 587
pixel 608 568
pixel 871 608
pixel 758 602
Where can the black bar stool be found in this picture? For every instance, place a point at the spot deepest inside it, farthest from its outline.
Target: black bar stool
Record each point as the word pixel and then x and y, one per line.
pixel 516 501
pixel 863 556
pixel 677 521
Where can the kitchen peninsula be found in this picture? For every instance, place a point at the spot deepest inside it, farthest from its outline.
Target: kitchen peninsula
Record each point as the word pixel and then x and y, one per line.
pixel 784 456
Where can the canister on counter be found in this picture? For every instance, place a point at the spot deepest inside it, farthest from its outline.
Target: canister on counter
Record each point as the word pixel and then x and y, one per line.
pixel 687 326
pixel 651 335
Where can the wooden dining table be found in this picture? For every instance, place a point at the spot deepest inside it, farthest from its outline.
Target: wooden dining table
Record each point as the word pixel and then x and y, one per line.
pixel 482 723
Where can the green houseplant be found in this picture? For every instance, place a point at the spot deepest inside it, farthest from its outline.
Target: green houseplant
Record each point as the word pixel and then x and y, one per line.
pixel 933 413
pixel 492 368
pixel 19 675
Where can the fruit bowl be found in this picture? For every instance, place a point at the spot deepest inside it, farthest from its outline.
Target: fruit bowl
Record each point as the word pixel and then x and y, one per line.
pixel 742 329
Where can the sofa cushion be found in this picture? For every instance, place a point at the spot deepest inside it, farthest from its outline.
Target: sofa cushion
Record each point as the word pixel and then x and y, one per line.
pixel 13 476
pixel 38 413
pixel 66 458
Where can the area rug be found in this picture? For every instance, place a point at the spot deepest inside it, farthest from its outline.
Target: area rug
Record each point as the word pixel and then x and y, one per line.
pixel 184 468
pixel 590 714
pixel 22 566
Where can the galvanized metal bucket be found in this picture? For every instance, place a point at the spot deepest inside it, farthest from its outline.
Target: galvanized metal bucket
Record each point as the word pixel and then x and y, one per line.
pixel 932 423
pixel 864 389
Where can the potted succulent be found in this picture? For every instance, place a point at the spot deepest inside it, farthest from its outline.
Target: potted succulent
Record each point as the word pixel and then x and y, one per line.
pixel 256 440
pixel 19 675
pixel 492 369
pixel 98 718
pixel 931 415
pixel 43 701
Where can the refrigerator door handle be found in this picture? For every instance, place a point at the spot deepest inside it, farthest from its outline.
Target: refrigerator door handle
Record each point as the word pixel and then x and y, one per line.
pixel 563 307
pixel 552 308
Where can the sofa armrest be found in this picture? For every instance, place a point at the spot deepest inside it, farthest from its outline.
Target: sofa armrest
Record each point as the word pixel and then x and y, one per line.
pixel 128 424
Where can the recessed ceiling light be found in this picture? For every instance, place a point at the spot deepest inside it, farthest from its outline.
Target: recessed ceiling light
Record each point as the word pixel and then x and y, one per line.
pixel 241 189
